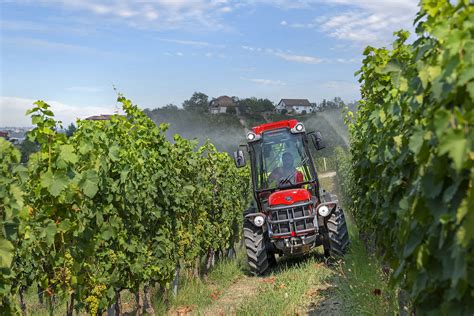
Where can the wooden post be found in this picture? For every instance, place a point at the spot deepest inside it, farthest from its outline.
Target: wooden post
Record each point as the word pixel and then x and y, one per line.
pixel 70 306
pixel 117 303
pixel 176 281
pixel 22 300
pixel 147 301
pixel 197 266
pixel 138 302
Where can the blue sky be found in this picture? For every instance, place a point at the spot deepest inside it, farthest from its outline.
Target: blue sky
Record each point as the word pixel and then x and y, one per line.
pixel 71 53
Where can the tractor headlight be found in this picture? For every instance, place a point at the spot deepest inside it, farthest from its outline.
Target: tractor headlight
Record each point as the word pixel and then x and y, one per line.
pixel 299 128
pixel 259 220
pixel 323 210
pixel 251 136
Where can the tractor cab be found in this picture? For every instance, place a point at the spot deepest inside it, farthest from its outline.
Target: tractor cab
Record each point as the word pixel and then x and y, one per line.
pixel 290 212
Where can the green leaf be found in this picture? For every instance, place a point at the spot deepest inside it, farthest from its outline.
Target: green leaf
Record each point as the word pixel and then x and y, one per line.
pixel 441 121
pixel 470 89
pixel 466 76
pixel 64 226
pixel 416 236
pixel 6 253
pixel 67 153
pixel 416 141
pixel 50 232
pixel 89 183
pixel 189 188
pixel 392 66
pixel 455 145
pixel 107 233
pixel 54 182
pixel 114 153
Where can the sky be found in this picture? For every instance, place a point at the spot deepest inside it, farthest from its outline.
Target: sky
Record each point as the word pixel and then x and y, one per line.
pixel 72 53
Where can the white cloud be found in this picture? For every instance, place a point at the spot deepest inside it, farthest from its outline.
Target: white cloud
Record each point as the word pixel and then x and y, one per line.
pixel 338 87
pixel 348 60
pixel 387 6
pixel 286 56
pixel 12 111
pixel 249 48
pixel 363 28
pixel 157 14
pixel 226 9
pixel 197 44
pixel 266 82
pixel 363 22
pixel 300 58
pixel 45 45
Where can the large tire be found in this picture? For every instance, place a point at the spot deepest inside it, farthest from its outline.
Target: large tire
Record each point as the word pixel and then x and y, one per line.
pixel 338 233
pixel 258 256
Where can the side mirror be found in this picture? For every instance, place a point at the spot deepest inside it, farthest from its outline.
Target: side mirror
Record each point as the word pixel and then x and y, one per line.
pixel 317 141
pixel 239 158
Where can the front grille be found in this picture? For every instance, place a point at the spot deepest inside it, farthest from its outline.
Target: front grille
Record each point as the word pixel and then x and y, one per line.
pixel 297 218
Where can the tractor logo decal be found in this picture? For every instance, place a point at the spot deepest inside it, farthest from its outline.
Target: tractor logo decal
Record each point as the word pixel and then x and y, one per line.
pixel 288 198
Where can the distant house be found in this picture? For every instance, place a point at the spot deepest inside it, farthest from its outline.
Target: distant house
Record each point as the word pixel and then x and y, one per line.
pixel 221 104
pixel 298 106
pixel 4 135
pixel 102 117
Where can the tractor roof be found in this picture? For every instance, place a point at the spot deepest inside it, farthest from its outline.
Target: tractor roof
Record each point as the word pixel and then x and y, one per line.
pixel 274 125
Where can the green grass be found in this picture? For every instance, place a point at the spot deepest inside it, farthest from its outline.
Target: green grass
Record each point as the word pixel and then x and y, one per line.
pixel 197 294
pixel 290 288
pixel 33 306
pixel 362 286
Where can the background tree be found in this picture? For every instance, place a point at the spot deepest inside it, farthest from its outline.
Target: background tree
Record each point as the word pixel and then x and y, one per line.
pixel 231 110
pixel 171 106
pixel 339 103
pixel 70 130
pixel 27 148
pixel 254 105
pixel 323 105
pixel 198 102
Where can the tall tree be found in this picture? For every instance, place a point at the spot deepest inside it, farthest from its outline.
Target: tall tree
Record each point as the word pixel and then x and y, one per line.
pixel 198 102
pixel 70 130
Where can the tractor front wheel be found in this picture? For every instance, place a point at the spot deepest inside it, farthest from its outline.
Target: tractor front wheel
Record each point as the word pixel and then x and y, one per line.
pixel 338 233
pixel 258 256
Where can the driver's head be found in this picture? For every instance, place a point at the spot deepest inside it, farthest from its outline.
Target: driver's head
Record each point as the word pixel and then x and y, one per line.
pixel 287 160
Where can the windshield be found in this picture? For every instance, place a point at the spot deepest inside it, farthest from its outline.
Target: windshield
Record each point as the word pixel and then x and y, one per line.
pixel 280 159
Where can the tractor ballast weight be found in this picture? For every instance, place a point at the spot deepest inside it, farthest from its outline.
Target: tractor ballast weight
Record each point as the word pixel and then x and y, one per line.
pixel 292 214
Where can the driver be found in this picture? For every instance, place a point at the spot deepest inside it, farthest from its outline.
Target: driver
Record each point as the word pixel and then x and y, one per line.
pixel 287 170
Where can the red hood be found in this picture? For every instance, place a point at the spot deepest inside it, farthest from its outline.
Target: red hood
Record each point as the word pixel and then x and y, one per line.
pixel 288 197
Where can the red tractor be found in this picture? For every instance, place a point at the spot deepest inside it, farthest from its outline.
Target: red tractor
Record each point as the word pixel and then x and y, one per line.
pixel 292 214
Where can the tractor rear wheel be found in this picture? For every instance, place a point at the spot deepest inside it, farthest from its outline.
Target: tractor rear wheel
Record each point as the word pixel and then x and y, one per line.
pixel 258 256
pixel 338 233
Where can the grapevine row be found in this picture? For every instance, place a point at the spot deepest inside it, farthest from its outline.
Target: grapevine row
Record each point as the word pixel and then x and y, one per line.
pixel 413 157
pixel 113 207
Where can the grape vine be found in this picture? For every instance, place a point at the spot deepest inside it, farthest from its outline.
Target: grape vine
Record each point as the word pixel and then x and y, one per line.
pixel 413 157
pixel 113 207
